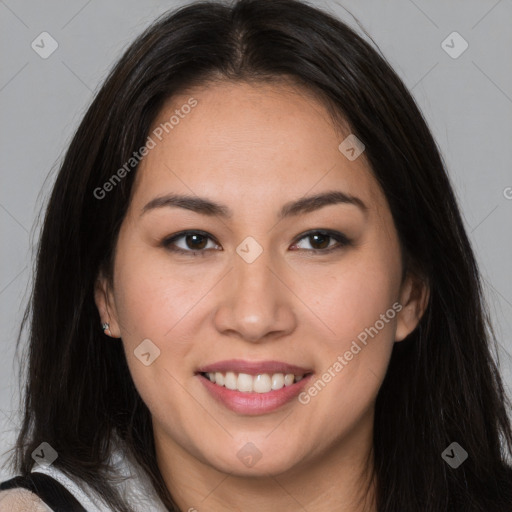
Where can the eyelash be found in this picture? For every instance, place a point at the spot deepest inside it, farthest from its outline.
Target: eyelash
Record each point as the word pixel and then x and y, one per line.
pixel 343 241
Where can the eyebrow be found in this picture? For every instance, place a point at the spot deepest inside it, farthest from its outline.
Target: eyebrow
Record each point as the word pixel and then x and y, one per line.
pixel 205 206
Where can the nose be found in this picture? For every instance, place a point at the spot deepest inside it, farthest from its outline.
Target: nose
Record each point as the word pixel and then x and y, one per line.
pixel 256 305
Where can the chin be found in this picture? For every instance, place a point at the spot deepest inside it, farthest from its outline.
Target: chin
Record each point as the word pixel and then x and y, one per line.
pixel 263 468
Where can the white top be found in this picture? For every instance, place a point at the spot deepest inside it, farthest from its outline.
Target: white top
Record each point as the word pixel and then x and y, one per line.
pixel 137 489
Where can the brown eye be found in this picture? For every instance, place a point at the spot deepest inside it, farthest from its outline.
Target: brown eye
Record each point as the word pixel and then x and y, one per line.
pixel 196 242
pixel 319 241
pixel 323 241
pixel 189 242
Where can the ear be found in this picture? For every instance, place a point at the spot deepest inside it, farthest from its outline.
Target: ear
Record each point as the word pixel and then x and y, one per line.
pixel 104 299
pixel 414 295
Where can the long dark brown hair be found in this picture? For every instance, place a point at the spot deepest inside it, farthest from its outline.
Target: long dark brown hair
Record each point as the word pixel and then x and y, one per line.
pixel 442 385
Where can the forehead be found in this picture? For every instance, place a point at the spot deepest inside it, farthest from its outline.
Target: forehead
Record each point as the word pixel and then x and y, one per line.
pixel 259 141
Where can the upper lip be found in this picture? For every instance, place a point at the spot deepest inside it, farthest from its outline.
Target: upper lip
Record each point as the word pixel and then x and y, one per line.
pixel 253 367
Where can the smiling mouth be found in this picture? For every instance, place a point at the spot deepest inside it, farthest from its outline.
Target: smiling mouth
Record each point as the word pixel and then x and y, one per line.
pixel 245 383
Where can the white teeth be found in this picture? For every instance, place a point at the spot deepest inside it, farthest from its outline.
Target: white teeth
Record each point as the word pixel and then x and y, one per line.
pixel 262 383
pixel 231 380
pixel 277 381
pixel 244 382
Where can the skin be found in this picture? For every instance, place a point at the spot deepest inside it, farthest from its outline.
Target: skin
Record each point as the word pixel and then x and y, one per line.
pixel 21 500
pixel 253 148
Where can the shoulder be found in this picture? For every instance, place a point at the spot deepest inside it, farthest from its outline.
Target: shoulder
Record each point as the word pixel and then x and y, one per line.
pixel 21 500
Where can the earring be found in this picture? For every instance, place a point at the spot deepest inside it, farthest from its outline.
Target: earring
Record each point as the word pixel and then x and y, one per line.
pixel 106 327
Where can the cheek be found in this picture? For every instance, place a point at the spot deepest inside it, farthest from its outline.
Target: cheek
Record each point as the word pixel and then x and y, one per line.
pixel 353 359
pixel 357 303
pixel 362 321
pixel 353 297
pixel 150 297
pixel 151 304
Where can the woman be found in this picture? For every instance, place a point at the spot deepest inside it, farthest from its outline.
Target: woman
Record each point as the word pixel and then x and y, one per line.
pixel 254 290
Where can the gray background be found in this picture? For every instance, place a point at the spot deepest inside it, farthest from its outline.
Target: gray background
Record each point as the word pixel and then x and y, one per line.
pixel 467 102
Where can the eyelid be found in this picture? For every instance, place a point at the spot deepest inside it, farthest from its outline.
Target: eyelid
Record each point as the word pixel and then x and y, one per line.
pixel 167 241
pixel 341 238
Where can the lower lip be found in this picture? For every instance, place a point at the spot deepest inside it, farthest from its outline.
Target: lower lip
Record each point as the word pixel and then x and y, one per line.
pixel 253 403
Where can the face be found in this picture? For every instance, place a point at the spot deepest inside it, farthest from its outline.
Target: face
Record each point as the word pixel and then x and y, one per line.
pixel 291 306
